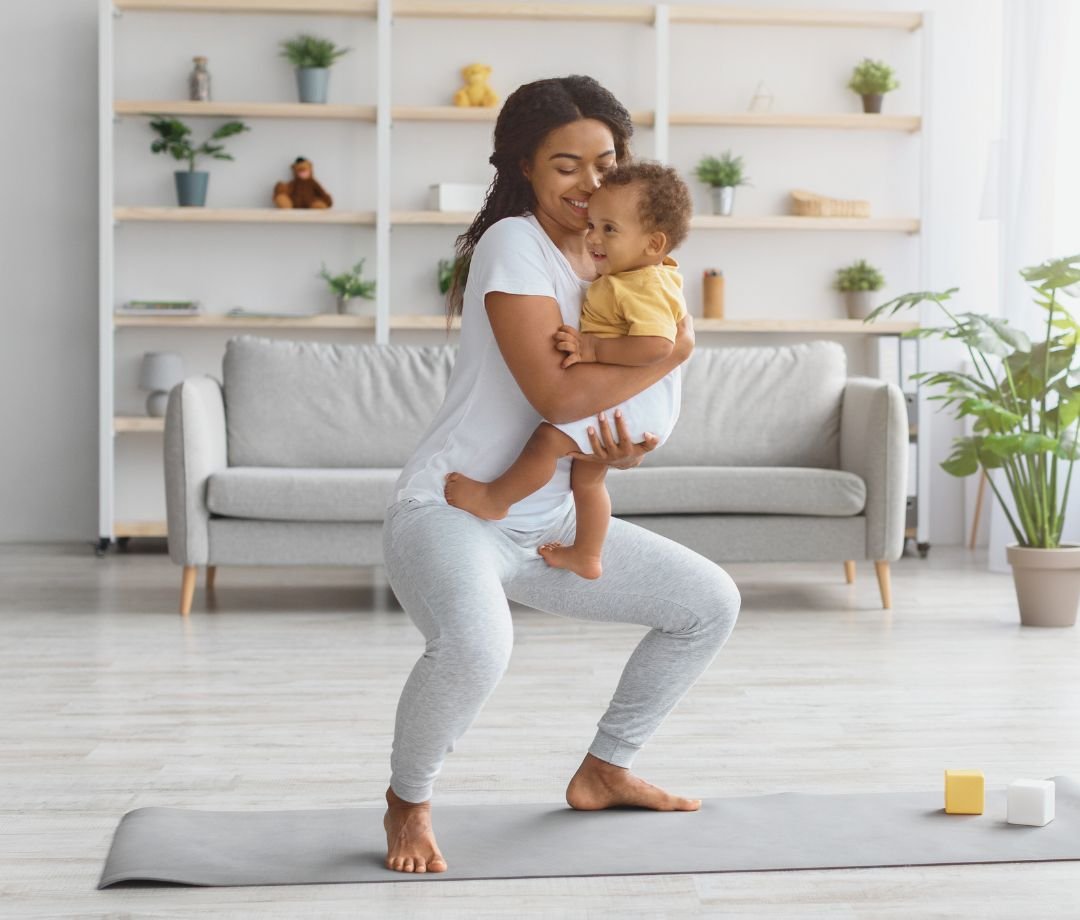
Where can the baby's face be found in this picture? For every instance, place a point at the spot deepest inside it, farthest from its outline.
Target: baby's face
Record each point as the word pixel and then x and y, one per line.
pixel 615 239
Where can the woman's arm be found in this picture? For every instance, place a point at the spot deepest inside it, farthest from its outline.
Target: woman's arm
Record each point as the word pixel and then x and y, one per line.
pixel 524 328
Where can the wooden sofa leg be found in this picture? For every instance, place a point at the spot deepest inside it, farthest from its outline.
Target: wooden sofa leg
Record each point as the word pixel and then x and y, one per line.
pixel 187 590
pixel 849 571
pixel 884 584
pixel 211 576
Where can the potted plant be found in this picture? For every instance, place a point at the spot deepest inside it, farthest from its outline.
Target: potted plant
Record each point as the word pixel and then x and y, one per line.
pixel 312 57
pixel 722 174
pixel 447 268
pixel 857 282
pixel 1024 398
pixel 348 285
pixel 174 137
pixel 871 80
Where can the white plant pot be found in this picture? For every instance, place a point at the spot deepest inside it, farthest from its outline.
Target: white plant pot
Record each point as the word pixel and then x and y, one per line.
pixel 1047 583
pixel 723 199
pixel 860 304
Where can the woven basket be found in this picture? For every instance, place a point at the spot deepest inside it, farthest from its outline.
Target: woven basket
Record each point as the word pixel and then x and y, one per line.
pixel 807 204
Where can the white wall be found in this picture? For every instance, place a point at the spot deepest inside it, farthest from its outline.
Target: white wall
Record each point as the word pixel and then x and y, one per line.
pixel 48 352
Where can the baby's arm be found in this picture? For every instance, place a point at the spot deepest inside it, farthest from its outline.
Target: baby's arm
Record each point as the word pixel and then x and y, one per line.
pixel 626 350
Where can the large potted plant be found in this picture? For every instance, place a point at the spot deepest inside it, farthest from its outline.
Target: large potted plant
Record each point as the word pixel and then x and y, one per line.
pixel 312 57
pixel 174 137
pixel 1024 398
pixel 872 80
pixel 722 174
pixel 857 283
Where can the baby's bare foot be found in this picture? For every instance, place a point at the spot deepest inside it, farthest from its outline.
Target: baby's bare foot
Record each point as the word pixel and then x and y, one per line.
pixel 474 497
pixel 410 841
pixel 598 784
pixel 569 557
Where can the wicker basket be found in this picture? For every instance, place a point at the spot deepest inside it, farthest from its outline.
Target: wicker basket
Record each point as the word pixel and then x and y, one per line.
pixel 807 204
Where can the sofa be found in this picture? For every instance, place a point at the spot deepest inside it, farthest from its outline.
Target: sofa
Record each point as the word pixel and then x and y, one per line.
pixel 778 456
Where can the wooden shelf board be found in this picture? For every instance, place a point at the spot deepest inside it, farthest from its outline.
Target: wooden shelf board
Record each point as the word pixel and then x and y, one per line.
pixel 220 321
pixel 243 109
pixel 735 16
pixel 306 7
pixel 804 326
pixel 841 120
pixel 140 529
pixel 137 424
pixel 790 222
pixel 445 9
pixel 454 113
pixel 245 215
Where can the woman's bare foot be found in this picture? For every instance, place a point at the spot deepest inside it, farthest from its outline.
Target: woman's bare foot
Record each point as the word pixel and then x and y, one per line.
pixel 474 497
pixel 568 557
pixel 410 841
pixel 598 784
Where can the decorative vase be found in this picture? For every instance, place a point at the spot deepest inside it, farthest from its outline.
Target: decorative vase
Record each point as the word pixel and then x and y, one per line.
pixel 199 81
pixel 860 304
pixel 311 82
pixel 1047 583
pixel 191 188
pixel 871 103
pixel 723 199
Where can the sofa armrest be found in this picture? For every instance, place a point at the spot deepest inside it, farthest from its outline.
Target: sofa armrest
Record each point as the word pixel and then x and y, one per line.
pixel 195 447
pixel 874 446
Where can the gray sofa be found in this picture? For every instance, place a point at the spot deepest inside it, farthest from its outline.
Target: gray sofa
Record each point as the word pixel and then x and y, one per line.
pixel 778 457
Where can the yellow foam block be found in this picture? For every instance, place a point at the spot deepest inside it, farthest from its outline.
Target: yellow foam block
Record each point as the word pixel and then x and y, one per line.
pixel 964 792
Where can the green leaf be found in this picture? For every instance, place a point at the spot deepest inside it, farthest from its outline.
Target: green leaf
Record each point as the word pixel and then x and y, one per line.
pixel 1054 273
pixel 964 459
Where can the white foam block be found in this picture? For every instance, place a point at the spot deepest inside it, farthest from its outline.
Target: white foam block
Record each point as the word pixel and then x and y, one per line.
pixel 1031 802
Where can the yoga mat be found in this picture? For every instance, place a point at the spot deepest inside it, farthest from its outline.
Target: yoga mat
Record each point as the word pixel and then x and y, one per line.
pixel 783 831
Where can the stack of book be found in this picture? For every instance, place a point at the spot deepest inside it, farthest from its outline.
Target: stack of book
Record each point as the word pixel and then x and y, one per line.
pixel 160 308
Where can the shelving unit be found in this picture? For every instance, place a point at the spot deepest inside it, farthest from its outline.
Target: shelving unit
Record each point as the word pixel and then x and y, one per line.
pixel 381 113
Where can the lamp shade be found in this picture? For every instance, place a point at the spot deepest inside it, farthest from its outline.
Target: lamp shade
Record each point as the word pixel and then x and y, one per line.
pixel 161 370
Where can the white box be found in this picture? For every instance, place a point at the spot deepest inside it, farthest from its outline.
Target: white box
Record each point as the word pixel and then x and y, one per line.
pixel 456 196
pixel 1031 802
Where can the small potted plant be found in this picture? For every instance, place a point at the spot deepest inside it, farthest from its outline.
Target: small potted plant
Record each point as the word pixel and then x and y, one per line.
pixel 722 174
pixel 872 80
pixel 447 268
pixel 857 282
pixel 312 57
pixel 174 137
pixel 348 285
pixel 1024 398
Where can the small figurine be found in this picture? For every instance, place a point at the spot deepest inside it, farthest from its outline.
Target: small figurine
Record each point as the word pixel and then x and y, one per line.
pixel 476 92
pixel 303 191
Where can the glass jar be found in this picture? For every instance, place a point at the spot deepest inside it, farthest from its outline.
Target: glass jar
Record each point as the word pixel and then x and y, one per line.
pixel 199 81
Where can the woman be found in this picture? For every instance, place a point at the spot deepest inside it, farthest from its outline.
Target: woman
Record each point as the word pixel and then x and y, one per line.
pixel 453 572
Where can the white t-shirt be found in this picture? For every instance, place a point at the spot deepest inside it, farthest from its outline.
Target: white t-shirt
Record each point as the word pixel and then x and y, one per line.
pixel 485 419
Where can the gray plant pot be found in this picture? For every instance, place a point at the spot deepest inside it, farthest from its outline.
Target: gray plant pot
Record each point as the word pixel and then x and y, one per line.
pixel 860 304
pixel 191 188
pixel 1047 583
pixel 723 199
pixel 871 103
pixel 311 83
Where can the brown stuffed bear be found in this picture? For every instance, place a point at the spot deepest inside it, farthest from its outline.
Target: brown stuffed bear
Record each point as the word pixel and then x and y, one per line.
pixel 303 191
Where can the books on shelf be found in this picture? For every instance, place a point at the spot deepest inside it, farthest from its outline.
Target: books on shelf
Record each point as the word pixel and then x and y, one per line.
pixel 244 313
pixel 160 308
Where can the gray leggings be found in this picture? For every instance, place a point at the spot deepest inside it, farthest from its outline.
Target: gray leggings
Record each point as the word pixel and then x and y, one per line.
pixel 453 573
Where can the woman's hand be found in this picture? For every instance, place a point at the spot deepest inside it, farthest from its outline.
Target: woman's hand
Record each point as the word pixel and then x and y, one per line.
pixel 623 455
pixel 580 347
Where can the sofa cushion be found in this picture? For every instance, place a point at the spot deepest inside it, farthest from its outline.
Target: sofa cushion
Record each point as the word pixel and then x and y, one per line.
pixel 311 405
pixel 776 406
pixel 736 490
pixel 277 494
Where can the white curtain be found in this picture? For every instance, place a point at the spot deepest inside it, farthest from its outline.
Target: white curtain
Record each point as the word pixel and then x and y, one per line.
pixel 1034 95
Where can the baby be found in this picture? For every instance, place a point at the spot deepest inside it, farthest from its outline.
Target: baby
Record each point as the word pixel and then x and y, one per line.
pixel 639 214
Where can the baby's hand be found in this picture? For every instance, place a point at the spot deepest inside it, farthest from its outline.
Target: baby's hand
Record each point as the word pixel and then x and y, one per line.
pixel 578 346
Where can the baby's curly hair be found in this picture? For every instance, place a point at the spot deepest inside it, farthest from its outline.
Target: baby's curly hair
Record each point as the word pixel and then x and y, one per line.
pixel 664 203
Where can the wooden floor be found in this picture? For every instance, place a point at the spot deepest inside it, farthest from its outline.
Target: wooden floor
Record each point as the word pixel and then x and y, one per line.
pixel 281 694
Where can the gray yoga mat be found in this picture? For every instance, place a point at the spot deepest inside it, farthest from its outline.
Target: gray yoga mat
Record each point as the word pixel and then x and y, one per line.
pixel 784 831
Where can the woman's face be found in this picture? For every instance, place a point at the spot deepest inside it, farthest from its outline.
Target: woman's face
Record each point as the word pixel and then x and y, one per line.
pixel 567 168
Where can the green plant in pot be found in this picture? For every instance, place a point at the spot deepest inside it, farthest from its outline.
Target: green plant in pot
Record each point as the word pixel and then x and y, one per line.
pixel 872 80
pixel 174 137
pixel 348 285
pixel 312 57
pixel 447 269
pixel 858 282
pixel 722 174
pixel 1024 398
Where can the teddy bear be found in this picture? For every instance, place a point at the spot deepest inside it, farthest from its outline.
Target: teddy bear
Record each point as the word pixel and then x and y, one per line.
pixel 303 191
pixel 476 92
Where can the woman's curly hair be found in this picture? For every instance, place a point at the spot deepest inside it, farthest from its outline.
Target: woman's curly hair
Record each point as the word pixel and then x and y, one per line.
pixel 664 202
pixel 529 114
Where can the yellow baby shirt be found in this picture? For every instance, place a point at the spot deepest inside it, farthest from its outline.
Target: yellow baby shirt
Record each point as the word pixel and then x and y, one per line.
pixel 645 301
